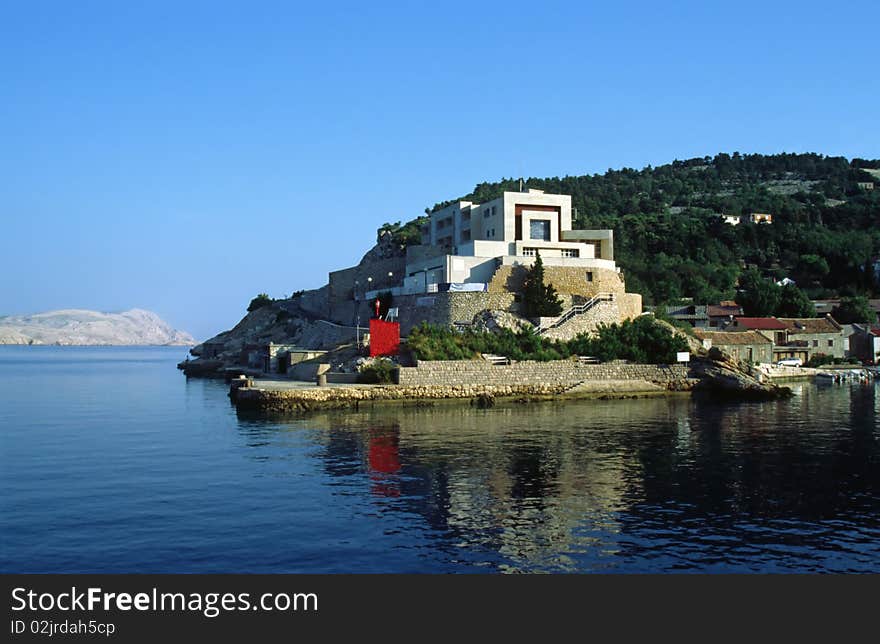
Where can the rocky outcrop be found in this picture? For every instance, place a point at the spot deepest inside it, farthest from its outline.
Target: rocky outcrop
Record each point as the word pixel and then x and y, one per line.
pixel 296 321
pixel 494 321
pixel 727 378
pixel 81 327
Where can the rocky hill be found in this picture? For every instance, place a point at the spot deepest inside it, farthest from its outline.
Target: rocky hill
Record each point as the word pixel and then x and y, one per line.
pixel 80 327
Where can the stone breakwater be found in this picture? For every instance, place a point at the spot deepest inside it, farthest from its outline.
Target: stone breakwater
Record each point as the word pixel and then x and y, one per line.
pixel 272 399
pixel 481 383
pixel 473 381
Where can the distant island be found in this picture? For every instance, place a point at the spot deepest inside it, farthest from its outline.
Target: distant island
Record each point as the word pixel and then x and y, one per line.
pixel 81 327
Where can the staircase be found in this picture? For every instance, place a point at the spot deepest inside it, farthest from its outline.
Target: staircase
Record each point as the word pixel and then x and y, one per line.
pixel 579 309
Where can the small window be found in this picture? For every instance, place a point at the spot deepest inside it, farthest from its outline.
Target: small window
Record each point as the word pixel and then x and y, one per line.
pixel 530 252
pixel 571 252
pixel 831 343
pixel 815 343
pixel 493 210
pixel 589 276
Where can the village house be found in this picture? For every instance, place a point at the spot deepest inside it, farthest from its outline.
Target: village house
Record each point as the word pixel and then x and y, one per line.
pixel 820 336
pixel 744 346
pixel 761 218
pixel 769 327
pixel 723 313
pixel 827 306
pixel 866 185
pixel 694 314
pixel 797 337
pixel 864 343
pixel 732 220
pixel 474 257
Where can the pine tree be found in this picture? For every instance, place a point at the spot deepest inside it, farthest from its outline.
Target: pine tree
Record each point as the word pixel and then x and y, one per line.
pixel 539 299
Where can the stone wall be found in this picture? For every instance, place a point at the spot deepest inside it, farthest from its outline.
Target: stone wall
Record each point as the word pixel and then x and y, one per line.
pixel 567 280
pixel 629 305
pixel 315 301
pixel 448 308
pixel 342 284
pixel 600 313
pixel 564 373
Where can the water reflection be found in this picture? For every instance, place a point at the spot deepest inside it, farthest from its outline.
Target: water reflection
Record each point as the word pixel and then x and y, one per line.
pixel 640 485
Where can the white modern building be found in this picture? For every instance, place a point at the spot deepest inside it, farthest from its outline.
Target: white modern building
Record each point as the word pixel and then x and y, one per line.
pixel 473 240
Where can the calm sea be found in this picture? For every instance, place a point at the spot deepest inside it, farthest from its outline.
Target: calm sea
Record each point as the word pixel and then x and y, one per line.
pixel 112 461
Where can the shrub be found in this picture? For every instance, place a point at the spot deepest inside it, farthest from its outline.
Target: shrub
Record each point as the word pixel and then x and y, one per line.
pixel 641 340
pixel 380 371
pixel 259 302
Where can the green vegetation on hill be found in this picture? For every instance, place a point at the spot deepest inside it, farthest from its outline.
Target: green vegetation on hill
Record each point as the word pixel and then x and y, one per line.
pixel 672 243
pixel 641 340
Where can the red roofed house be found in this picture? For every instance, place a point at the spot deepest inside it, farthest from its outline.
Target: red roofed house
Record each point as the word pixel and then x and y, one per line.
pixel 770 327
pixel 797 337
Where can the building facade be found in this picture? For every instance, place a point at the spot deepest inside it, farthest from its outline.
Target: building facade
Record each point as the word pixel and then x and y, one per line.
pixel 743 346
pixel 483 251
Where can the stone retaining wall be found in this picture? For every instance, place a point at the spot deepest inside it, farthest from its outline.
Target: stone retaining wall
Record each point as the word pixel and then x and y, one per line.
pixel 557 373
pixel 600 313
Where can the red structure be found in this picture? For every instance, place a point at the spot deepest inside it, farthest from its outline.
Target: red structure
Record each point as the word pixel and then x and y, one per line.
pixel 384 338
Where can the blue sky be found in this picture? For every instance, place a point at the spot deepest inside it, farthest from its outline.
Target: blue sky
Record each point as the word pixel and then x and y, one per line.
pixel 182 157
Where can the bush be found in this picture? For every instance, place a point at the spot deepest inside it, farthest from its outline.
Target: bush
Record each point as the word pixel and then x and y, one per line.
pixel 640 340
pixel 380 371
pixel 259 302
pixel 821 359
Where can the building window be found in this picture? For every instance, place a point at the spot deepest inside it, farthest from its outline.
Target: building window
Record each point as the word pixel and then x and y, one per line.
pixel 493 210
pixel 831 343
pixel 539 229
pixel 815 343
pixel 530 252
pixel 571 252
pixel 487 212
pixel 589 276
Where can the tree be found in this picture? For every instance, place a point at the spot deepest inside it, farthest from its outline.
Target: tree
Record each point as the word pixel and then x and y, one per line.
pixel 259 302
pixel 854 310
pixel 812 267
pixel 757 296
pixel 539 299
pixel 794 303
